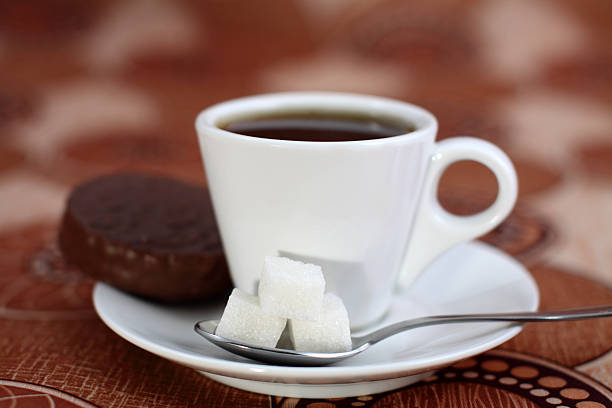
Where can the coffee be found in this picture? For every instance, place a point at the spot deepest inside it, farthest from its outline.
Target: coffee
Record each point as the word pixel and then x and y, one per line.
pixel 366 211
pixel 319 127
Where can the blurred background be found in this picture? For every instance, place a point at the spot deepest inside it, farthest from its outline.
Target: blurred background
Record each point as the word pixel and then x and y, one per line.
pixel 89 87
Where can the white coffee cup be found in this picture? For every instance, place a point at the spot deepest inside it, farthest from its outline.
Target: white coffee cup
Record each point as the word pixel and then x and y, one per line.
pixel 367 210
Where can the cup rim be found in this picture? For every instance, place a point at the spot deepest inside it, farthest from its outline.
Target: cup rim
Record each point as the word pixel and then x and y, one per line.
pixel 224 112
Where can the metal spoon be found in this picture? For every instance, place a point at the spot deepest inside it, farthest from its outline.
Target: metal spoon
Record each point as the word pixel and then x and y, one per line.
pixel 206 328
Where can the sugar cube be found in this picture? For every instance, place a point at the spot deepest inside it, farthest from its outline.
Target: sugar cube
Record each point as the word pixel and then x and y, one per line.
pixel 291 289
pixel 243 320
pixel 330 334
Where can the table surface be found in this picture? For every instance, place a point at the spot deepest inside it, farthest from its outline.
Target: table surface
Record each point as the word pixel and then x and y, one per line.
pixel 91 87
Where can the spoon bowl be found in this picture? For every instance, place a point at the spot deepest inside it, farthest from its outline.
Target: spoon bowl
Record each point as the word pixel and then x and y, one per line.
pixel 277 356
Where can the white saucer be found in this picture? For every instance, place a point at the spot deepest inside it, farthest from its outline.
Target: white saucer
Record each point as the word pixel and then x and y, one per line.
pixel 473 277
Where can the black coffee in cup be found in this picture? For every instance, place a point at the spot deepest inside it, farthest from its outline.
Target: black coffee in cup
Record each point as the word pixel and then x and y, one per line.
pixel 320 127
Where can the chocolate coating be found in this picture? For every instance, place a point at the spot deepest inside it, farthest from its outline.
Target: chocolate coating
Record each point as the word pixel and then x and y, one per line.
pixel 149 235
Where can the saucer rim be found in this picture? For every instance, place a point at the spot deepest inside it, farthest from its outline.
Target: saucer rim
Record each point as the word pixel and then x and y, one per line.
pixel 254 371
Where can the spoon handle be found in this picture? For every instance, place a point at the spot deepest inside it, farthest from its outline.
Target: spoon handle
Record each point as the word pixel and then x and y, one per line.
pixel 552 316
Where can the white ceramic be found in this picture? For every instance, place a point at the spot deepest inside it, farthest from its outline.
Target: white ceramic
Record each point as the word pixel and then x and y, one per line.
pixel 363 210
pixel 477 278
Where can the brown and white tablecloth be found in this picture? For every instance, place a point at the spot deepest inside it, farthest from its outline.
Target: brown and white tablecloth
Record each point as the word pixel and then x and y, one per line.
pixel 88 87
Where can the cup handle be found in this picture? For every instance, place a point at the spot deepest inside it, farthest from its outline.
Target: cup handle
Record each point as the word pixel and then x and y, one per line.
pixel 435 229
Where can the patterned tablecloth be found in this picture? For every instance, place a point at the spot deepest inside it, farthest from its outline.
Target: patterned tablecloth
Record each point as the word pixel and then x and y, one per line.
pixel 91 87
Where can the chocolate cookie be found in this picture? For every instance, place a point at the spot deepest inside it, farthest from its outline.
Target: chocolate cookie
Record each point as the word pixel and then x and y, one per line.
pixel 148 235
